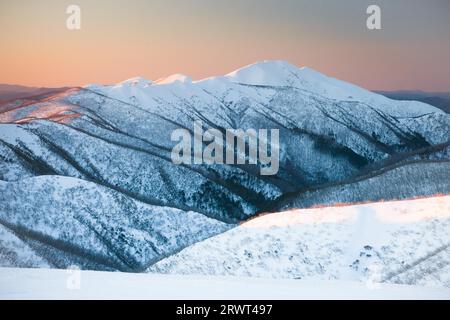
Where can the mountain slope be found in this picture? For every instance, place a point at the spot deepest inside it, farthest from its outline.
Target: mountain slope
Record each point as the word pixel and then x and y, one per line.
pixel 405 242
pixel 63 221
pixel 440 100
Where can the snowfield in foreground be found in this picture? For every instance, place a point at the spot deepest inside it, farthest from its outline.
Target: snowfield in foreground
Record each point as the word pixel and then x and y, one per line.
pixel 401 242
pixel 52 284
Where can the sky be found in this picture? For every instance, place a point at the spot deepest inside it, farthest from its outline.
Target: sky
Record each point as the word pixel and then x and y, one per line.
pixel 121 39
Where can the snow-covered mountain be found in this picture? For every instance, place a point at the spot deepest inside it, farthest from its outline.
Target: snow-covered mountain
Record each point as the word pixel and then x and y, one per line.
pixel 338 143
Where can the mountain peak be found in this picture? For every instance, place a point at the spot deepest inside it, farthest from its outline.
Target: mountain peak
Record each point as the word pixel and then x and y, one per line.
pixel 269 65
pixel 267 72
pixel 136 82
pixel 177 77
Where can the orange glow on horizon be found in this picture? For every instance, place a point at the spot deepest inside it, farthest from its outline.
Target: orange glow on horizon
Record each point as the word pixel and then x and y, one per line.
pixel 120 39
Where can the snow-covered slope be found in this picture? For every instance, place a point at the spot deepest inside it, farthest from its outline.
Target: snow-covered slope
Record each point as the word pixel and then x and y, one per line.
pixel 60 221
pixel 53 284
pixel 405 242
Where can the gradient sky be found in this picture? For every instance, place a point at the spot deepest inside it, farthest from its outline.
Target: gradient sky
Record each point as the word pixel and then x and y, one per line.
pixel 121 39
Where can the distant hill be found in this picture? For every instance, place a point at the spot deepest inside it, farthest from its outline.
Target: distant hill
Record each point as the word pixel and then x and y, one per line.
pixel 11 92
pixel 440 100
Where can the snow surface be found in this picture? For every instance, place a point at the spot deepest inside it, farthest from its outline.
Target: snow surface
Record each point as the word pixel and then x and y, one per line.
pixel 405 242
pixel 53 284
